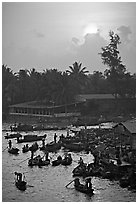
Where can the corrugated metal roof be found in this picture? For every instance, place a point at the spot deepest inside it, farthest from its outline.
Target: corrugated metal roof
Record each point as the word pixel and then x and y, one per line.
pixel 34 104
pixel 130 125
pixel 95 96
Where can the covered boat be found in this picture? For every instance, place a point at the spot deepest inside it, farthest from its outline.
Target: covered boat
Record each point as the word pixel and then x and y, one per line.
pixel 30 138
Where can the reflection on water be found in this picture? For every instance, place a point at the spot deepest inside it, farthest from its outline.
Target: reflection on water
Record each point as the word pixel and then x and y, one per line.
pixel 47 184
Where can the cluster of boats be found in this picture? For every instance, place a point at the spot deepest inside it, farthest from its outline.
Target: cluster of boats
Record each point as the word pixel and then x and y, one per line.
pixel 94 141
pixel 27 127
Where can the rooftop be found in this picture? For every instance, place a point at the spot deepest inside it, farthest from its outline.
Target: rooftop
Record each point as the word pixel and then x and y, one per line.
pixel 85 97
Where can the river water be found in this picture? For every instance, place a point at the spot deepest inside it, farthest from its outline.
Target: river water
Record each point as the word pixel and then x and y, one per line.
pixel 47 184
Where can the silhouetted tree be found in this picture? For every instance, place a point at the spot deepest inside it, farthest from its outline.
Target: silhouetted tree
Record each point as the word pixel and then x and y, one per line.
pixel 110 57
pixel 78 77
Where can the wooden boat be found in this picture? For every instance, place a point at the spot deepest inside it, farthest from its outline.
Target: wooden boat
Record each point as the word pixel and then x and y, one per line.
pixel 57 162
pixel 34 161
pixel 76 147
pixel 124 182
pixel 79 171
pixel 13 150
pixel 37 161
pixel 30 138
pixel 25 149
pixel 83 189
pixel 11 136
pixel 22 127
pixel 52 147
pixel 34 147
pixel 68 140
pixel 44 162
pixel 66 161
pixel 21 185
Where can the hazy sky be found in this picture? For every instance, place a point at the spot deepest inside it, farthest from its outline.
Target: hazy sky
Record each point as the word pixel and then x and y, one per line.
pixel 54 35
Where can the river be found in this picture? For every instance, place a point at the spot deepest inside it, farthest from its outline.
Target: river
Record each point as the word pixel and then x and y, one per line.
pixel 47 184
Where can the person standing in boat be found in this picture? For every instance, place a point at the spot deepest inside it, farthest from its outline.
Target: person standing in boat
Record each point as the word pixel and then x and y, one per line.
pixel 76 182
pixel 10 144
pixel 11 128
pixel 81 162
pixel 47 155
pixel 32 154
pixel 55 137
pixel 19 176
pixel 43 142
pixel 88 183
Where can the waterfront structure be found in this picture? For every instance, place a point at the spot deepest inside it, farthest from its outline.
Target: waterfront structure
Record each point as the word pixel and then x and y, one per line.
pixel 127 132
pixel 41 112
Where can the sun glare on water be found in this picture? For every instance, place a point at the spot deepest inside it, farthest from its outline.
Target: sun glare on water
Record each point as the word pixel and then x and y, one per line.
pixel 89 29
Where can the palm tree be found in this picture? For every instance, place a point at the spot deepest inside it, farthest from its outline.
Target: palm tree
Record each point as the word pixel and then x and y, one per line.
pixel 78 76
pixel 77 70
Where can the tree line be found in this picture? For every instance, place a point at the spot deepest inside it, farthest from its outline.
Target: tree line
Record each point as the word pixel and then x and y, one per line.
pixel 54 86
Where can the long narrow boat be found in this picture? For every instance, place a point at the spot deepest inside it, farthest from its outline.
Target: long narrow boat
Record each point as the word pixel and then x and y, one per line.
pixel 30 138
pixel 83 189
pixel 21 185
pixel 11 136
pixel 21 127
pixel 51 147
pixel 76 147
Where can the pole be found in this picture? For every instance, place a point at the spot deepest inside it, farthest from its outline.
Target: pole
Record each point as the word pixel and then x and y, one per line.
pixel 69 183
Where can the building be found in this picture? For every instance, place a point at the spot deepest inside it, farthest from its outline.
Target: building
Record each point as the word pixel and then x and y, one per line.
pixel 38 111
pixel 98 103
pixel 127 130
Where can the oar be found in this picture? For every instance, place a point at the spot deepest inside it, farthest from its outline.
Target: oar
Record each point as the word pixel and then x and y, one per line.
pixel 29 185
pixel 4 149
pixel 22 161
pixel 69 183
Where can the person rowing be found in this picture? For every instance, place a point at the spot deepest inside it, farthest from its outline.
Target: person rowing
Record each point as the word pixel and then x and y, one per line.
pixel 88 183
pixel 19 176
pixel 10 144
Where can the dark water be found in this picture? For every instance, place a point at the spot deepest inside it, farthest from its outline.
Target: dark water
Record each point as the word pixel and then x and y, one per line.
pixel 47 184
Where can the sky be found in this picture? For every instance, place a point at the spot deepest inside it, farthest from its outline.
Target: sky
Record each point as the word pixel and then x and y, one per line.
pixel 47 35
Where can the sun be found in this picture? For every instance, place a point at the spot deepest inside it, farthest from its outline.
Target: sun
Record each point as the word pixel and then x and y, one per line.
pixel 90 28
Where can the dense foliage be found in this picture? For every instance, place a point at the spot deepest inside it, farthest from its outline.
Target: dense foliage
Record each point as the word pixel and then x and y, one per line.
pixel 53 86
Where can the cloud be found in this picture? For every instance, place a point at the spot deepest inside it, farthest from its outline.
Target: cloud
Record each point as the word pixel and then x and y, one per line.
pixel 87 52
pixel 38 34
pixel 75 40
pixel 125 31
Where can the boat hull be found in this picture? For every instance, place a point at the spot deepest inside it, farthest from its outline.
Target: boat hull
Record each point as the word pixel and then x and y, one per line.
pixel 81 188
pixel 21 185
pixel 13 151
pixel 30 139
